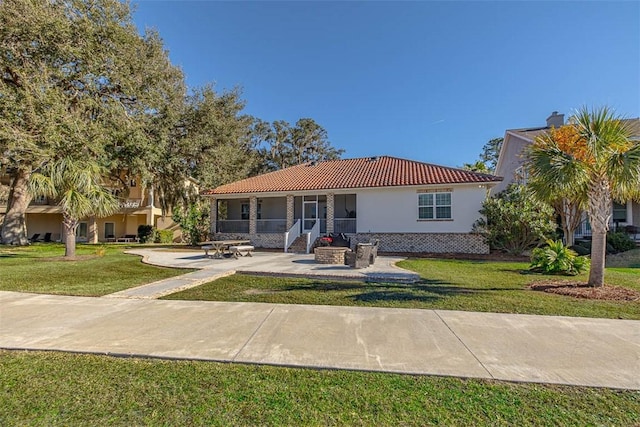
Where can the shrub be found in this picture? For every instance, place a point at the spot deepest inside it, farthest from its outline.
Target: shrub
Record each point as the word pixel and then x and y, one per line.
pixel 163 236
pixel 145 233
pixel 620 241
pixel 580 249
pixel 194 221
pixel 515 221
pixel 556 258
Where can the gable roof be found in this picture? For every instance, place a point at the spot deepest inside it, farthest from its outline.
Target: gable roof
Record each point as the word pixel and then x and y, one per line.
pixel 365 172
pixel 531 133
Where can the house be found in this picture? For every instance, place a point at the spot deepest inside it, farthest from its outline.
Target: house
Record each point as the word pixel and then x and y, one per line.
pixel 511 162
pixel 137 207
pixel 408 205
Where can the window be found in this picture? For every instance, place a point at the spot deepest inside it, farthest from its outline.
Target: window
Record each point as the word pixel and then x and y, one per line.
pixel 244 211
pixel 109 230
pixel 619 212
pixel 434 206
pixel 82 232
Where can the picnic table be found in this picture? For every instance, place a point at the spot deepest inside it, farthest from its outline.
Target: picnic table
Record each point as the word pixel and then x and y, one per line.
pixel 218 247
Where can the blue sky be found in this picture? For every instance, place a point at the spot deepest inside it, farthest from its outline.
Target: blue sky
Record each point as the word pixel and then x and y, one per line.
pixel 429 81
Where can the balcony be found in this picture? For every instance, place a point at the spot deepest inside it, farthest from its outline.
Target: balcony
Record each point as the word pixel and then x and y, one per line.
pixel 130 204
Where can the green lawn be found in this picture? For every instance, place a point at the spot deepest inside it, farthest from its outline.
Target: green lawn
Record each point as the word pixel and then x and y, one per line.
pixel 446 284
pixel 66 389
pixel 38 268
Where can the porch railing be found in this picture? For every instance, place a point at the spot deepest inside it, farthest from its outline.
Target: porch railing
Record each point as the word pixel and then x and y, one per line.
pixel 313 235
pixel 130 203
pixel 291 235
pixel 232 226
pixel 344 225
pixel 583 230
pixel 271 225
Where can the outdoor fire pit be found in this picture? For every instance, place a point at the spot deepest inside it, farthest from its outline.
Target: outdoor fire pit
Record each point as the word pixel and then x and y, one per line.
pixel 330 254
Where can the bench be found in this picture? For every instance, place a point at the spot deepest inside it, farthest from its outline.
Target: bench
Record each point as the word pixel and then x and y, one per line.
pixel 243 250
pixel 206 249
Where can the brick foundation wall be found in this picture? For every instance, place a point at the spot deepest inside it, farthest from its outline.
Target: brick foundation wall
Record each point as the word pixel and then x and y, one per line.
pixel 464 243
pixel 461 243
pixel 261 240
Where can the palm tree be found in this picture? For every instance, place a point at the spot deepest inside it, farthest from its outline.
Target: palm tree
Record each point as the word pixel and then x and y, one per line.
pixel 77 185
pixel 593 157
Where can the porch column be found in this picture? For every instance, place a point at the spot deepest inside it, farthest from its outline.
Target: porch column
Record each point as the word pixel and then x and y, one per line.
pixel 213 217
pixel 629 212
pixel 149 218
pixel 330 214
pixel 253 214
pixel 290 210
pixel 93 230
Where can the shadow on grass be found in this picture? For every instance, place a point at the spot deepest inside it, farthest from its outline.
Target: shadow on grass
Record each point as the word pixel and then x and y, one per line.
pixel 15 255
pixel 424 291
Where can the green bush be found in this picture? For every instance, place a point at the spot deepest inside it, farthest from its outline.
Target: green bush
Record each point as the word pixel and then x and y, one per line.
pixel 163 236
pixel 580 249
pixel 556 258
pixel 194 221
pixel 514 221
pixel 145 233
pixel 620 241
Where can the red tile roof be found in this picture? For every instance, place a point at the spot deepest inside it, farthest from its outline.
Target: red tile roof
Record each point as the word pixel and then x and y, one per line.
pixel 367 172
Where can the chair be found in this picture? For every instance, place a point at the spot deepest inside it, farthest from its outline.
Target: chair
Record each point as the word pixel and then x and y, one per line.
pixel 339 239
pixel 632 231
pixel 47 237
pixel 35 237
pixel 374 251
pixel 361 258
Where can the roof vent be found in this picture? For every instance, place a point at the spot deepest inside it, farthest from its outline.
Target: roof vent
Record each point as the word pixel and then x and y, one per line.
pixel 373 159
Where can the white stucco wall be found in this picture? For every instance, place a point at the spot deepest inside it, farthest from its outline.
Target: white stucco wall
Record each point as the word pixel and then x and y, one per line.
pixel 395 210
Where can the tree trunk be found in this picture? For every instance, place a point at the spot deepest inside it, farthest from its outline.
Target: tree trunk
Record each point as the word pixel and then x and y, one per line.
pixel 598 254
pixel 69 230
pixel 14 228
pixel 599 214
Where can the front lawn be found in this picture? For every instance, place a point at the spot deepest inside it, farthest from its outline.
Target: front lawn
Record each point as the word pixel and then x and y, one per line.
pixel 38 388
pixel 446 284
pixel 99 270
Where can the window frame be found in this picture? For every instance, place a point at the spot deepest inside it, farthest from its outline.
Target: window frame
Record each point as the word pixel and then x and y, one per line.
pixel 434 205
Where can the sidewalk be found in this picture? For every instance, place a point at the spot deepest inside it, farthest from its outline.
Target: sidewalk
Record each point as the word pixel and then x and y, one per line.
pixel 546 349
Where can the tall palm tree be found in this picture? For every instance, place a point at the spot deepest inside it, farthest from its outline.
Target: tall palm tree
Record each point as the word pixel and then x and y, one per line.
pixel 77 186
pixel 593 157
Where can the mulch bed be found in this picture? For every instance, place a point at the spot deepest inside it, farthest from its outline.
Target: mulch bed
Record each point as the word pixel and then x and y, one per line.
pixel 583 290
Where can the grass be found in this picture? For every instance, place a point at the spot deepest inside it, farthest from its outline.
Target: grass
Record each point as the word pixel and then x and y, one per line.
pixel 39 388
pixel 99 270
pixel 445 284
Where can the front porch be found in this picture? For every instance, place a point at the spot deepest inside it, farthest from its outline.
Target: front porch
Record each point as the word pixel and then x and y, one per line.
pixel 625 217
pixel 275 222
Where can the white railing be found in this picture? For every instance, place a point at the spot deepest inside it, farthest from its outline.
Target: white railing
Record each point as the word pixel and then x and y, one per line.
pixel 313 235
pixel 130 203
pixel 291 235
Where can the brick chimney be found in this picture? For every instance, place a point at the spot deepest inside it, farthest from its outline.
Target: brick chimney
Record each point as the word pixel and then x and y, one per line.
pixel 556 120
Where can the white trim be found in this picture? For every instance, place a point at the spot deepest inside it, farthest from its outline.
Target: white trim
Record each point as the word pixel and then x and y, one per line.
pixel 325 191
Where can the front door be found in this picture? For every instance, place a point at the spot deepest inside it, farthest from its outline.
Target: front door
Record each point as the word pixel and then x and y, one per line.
pixel 309 215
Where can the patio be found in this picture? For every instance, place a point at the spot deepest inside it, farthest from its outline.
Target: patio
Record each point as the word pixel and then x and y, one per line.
pixel 261 263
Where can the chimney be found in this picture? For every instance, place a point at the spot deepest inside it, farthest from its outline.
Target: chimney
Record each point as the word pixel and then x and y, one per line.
pixel 556 120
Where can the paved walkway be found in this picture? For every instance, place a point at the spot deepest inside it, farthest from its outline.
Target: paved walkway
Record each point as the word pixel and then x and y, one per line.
pixel 272 263
pixel 562 350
